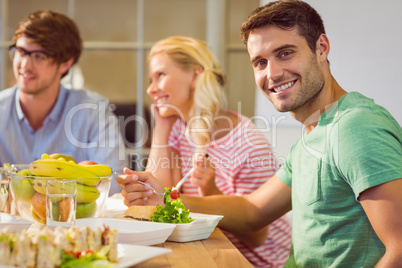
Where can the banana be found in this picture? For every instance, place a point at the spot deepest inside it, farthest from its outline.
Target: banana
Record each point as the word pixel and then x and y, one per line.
pixel 45 156
pixel 39 185
pixel 59 168
pixel 63 156
pixel 100 170
pixel 87 175
pixel 85 193
pixel 58 157
pixel 24 173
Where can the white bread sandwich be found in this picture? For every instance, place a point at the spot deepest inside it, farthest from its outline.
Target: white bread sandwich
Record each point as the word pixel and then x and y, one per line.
pixel 45 248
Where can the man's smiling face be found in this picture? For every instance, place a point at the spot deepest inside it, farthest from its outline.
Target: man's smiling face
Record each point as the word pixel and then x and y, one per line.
pixel 285 68
pixel 36 78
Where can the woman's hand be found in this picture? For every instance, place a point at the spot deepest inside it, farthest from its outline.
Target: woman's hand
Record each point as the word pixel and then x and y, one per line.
pixel 203 176
pixel 163 125
pixel 138 194
pixel 161 152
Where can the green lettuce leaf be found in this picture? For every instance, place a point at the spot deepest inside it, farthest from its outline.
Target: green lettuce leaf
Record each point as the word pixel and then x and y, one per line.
pixel 172 212
pixel 86 261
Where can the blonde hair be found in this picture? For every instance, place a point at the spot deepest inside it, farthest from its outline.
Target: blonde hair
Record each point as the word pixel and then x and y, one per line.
pixel 209 96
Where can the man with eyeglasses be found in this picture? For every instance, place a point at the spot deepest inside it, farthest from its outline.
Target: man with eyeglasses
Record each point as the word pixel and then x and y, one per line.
pixel 39 115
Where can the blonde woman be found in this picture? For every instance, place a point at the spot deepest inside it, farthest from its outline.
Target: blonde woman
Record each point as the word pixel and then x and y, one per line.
pixel 191 121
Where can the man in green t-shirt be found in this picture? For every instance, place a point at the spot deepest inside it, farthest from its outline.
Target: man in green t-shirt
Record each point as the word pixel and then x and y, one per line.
pixel 342 179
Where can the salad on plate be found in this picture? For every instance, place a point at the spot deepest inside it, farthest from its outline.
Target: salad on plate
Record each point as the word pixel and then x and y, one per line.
pixel 173 211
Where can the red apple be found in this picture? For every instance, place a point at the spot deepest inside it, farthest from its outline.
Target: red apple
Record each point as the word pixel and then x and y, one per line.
pixel 39 205
pixel 87 163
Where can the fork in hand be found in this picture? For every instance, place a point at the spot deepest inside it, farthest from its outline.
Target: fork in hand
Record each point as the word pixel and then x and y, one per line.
pixel 145 184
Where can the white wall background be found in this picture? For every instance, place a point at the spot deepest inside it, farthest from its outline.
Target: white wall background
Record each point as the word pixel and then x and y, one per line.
pixel 365 56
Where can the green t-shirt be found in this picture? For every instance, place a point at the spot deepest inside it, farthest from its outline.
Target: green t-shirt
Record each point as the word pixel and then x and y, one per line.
pixel 356 145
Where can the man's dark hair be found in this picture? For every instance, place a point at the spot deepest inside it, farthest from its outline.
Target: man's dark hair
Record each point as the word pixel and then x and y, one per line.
pixel 56 33
pixel 286 15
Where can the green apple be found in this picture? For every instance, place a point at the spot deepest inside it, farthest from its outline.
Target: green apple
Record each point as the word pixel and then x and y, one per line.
pixel 22 189
pixel 85 210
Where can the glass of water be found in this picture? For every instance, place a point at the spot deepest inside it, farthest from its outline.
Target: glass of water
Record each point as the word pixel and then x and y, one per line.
pixel 61 202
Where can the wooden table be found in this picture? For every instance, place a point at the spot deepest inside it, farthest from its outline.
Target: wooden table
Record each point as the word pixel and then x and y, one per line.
pixel 216 251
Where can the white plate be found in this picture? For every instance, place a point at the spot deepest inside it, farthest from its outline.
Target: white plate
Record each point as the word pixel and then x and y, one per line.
pixel 201 228
pixel 130 255
pixel 132 232
pixel 15 224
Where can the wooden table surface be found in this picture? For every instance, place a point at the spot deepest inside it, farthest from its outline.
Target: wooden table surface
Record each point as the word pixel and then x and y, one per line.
pixel 216 251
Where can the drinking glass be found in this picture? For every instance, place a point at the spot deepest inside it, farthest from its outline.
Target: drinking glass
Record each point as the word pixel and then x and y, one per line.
pixel 61 202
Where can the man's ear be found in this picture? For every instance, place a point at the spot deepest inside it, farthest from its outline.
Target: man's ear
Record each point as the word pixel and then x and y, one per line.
pixel 65 66
pixel 323 47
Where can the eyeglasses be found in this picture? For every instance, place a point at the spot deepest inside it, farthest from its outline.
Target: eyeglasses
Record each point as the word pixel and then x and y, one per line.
pixel 38 57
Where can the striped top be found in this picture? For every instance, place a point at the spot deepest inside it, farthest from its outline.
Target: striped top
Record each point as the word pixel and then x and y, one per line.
pixel 243 161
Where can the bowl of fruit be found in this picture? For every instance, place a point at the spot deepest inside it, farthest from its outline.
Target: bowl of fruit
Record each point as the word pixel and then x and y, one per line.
pixel 28 185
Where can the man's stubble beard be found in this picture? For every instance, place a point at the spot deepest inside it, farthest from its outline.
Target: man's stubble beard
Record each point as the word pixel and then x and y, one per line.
pixel 311 83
